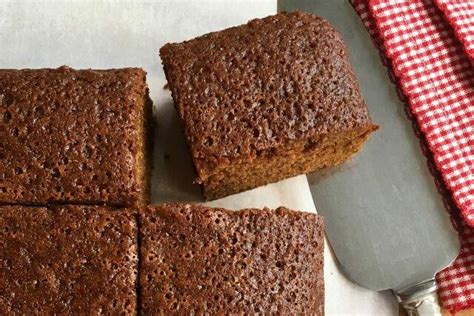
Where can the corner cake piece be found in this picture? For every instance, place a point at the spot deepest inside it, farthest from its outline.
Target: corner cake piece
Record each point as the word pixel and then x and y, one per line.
pixel 267 100
pixel 74 136
pixel 199 260
pixel 67 260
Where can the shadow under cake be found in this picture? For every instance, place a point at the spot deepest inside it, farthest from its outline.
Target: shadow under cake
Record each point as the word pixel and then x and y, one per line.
pixel 267 100
pixel 67 260
pixel 201 260
pixel 74 136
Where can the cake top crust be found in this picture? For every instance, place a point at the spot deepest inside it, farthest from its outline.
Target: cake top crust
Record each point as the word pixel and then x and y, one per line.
pixel 70 135
pixel 199 260
pixel 67 260
pixel 264 84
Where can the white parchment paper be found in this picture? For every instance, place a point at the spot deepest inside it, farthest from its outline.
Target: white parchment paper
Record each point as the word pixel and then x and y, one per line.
pixel 106 34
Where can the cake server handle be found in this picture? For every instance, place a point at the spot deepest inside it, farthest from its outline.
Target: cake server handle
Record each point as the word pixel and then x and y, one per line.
pixel 420 299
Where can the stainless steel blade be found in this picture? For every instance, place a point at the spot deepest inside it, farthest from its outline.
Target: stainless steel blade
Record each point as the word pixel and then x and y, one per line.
pixel 385 219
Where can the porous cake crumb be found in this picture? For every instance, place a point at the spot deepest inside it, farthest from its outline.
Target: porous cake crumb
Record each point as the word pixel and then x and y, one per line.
pixel 67 260
pixel 267 100
pixel 74 136
pixel 199 260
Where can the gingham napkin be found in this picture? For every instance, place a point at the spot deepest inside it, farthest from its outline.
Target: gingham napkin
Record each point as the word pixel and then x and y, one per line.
pixel 430 46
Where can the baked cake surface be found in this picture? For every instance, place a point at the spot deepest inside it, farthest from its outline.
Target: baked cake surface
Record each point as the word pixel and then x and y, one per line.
pixel 280 86
pixel 199 260
pixel 67 260
pixel 74 136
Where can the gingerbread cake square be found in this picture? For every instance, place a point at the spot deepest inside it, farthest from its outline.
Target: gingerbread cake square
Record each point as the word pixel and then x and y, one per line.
pixel 198 260
pixel 67 260
pixel 74 136
pixel 267 100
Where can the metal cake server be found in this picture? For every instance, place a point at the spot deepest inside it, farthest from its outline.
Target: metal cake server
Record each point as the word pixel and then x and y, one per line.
pixel 385 219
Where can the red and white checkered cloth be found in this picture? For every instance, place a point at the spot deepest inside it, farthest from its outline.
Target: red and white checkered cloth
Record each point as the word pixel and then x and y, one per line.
pixel 460 15
pixel 430 46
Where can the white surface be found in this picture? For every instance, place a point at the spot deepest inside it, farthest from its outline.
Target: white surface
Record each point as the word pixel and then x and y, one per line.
pixel 118 34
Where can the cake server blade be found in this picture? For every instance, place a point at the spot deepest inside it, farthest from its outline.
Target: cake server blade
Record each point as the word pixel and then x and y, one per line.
pixel 385 219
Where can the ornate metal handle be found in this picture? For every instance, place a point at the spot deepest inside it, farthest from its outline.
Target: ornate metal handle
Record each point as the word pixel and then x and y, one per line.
pixel 420 299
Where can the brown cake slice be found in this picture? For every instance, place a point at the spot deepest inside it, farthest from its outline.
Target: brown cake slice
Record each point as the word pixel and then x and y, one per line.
pixel 74 136
pixel 267 100
pixel 198 260
pixel 70 260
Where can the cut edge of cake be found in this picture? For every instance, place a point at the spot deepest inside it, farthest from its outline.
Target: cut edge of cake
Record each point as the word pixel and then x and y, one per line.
pixel 301 157
pixel 143 159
